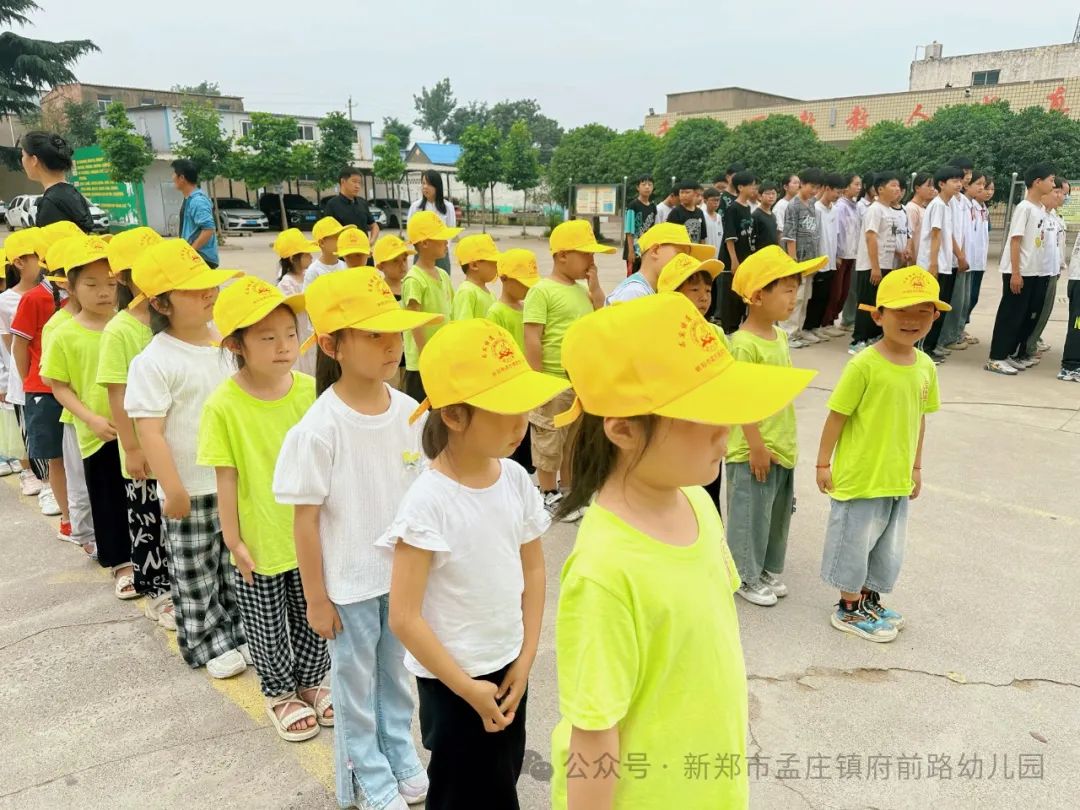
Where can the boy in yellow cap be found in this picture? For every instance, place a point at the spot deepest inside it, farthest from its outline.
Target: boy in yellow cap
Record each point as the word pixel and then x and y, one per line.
pixel 392 258
pixel 658 246
pixel 761 456
pixel 325 234
pixel 876 426
pixel 353 247
pixel 647 636
pixel 426 288
pixel 551 306
pixel 479 260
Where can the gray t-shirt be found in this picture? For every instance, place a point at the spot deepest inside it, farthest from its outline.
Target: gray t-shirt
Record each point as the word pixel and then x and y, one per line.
pixel 802 224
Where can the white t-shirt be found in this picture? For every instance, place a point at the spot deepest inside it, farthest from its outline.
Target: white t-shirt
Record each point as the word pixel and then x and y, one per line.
pixel 9 302
pixel 978 238
pixel 449 219
pixel 171 379
pixel 473 597
pixel 827 235
pixel 1054 248
pixel 1029 223
pixel 714 230
pixel 1074 262
pixel 939 216
pixel 305 362
pixel 663 211
pixel 892 229
pixel 960 206
pixel 317 268
pixel 357 468
pixel 778 211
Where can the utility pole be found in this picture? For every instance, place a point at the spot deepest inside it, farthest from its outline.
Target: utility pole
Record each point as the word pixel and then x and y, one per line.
pixel 350 109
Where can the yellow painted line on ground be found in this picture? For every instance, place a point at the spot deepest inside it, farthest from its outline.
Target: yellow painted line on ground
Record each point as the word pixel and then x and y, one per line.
pixel 985 500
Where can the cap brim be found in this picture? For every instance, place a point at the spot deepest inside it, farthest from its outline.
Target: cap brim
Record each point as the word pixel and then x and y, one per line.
pixel 910 301
pixel 406 251
pixel 809 266
pixel 293 302
pixel 56 279
pixel 529 281
pixel 520 394
pixel 444 235
pixel 741 394
pixel 596 247
pixel 703 252
pixel 353 252
pixel 208 279
pixel 398 320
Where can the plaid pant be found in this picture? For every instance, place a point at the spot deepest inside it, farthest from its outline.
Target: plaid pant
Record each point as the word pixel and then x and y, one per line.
pixel 204 602
pixel 288 654
pixel 146 531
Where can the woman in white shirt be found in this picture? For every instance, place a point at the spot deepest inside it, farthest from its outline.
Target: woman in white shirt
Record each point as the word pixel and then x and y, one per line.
pixel 432 198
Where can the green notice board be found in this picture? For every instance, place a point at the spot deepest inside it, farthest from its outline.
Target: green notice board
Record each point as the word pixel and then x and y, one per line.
pixel 124 202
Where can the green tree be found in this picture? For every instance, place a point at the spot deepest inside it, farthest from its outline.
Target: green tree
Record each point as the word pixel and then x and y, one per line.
pixel 389 165
pixel 433 107
pixel 80 123
pixel 1037 136
pixel 203 142
pixel 267 160
pixel 127 151
pixel 480 166
pixel 474 113
pixel 630 154
pixel 399 129
pixel 579 158
pixel 772 147
pixel 545 132
pixel 203 88
pixel 686 150
pixel 337 137
pixel 886 146
pixel 520 164
pixel 980 132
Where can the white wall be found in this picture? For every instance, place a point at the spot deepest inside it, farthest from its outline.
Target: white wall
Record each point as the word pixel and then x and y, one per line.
pixel 1021 65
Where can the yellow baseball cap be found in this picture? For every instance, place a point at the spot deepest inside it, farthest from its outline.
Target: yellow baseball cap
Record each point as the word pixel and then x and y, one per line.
pixel 390 247
pixel 247 301
pixel 657 355
pixel 56 258
pixel 48 234
pixel 358 299
pixel 478 362
pixel 681 267
pixel 22 243
pixel 291 241
pixel 479 247
pixel 424 225
pixel 906 288
pixel 128 245
pixel 173 264
pixel 762 268
pixel 81 251
pixel 353 241
pixel 327 226
pixel 519 264
pixel 672 233
pixel 577 235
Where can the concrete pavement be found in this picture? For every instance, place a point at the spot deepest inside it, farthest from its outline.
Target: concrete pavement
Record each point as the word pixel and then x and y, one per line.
pixel 101 712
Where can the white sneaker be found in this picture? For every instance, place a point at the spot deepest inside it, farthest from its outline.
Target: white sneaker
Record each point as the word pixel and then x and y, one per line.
pixel 845 327
pixel 833 331
pixel 797 343
pixel 820 333
pixel 29 483
pixel 226 665
pixel 5 468
pixel 757 593
pixel 414 789
pixel 47 502
pixel 1065 375
pixel 855 348
pixel 774 583
pixel 245 653
pixel 809 337
pixel 160 610
pixel 1018 364
pixel 551 500
pixel 1031 361
pixel 1001 367
pixel 574 516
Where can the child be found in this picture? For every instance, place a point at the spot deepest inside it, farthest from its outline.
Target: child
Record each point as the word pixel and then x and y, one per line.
pixel 479 260
pixel 344 469
pixel 658 246
pixel 22 273
pixel 467 593
pixel 168 384
pixel 939 247
pixel 1070 355
pixel 924 192
pixel 766 228
pixel 551 306
pixel 876 425
pixel 518 274
pixel 761 456
pixel 801 238
pixel 640 216
pixel 124 337
pixel 70 365
pixel 666 206
pixel 426 288
pixel 714 223
pixel 688 214
pixel 848 234
pixel 1053 264
pixel 981 247
pixel 790 186
pixel 821 281
pixel 739 221
pixel 965 209
pixel 296 253
pixel 647 636
pixel 325 234
pixel 353 247
pixel 258 326
pixel 1021 265
pixel 392 259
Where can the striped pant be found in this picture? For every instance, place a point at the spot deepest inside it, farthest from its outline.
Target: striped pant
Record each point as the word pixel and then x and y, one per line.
pixel 288 654
pixel 204 601
pixel 39 466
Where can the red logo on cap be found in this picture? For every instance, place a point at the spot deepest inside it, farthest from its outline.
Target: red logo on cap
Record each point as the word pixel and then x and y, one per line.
pixel 917 282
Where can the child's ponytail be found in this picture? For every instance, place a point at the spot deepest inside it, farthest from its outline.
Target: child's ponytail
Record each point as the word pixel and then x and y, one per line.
pixel 124 295
pixel 327 369
pixel 286 267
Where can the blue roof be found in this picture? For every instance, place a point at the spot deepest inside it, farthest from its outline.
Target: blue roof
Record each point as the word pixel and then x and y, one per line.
pixel 441 154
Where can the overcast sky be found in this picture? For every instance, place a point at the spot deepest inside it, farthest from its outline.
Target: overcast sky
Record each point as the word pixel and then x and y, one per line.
pixel 583 61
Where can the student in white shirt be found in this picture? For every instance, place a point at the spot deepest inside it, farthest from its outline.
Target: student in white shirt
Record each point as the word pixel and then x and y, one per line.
pixel 667 205
pixel 432 198
pixel 980 249
pixel 965 211
pixel 885 236
pixel 1023 287
pixel 325 234
pixel 822 280
pixel 714 223
pixel 467 595
pixel 1070 355
pixel 791 186
pixel 938 248
pixel 1053 264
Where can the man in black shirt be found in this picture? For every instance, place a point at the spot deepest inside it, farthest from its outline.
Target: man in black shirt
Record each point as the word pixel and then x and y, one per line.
pixel 729 192
pixel 739 243
pixel 348 207
pixel 688 214
pixel 766 228
pixel 640 216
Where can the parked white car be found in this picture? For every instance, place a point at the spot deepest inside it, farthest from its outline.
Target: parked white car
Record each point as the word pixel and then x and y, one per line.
pixel 22 211
pixel 235 214
pixel 101 219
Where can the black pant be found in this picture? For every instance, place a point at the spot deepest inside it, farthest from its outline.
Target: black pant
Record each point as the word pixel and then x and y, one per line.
pixel 523 453
pixel 714 490
pixel 820 290
pixel 973 298
pixel 1035 307
pixel 105 486
pixel 414 386
pixel 146 530
pixel 947 284
pixel 469 767
pixel 865 328
pixel 728 306
pixel 1070 357
pixel 1016 315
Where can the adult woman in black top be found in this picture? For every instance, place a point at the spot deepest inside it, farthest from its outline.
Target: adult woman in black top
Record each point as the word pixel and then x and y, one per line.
pixel 46 159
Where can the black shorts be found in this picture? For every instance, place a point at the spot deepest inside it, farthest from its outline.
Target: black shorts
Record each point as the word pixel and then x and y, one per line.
pixel 44 433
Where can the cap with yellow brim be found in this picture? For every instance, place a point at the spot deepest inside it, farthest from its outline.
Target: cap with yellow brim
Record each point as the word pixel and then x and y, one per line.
pixel 173 264
pixel 762 268
pixel 576 236
pixel 424 225
pixel 672 233
pixel 907 287
pixel 681 267
pixel 389 247
pixel 247 301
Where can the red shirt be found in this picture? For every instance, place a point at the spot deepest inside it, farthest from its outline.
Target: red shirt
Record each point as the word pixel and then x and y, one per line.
pixel 35 309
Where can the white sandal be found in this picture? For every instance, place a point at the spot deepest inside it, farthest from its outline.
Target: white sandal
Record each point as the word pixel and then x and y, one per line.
pixel 321 704
pixel 281 724
pixel 120 588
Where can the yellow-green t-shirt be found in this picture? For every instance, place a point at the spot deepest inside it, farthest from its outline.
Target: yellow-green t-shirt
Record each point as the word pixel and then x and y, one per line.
pixel 471 301
pixel 124 337
pixel 778 430
pixel 884 404
pixel 555 306
pixel 433 296
pixel 510 319
pixel 647 639
pixel 72 358
pixel 61 316
pixel 237 430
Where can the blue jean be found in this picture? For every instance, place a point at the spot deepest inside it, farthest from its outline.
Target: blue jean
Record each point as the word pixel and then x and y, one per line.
pixel 759 516
pixel 373 707
pixel 864 544
pixel 973 297
pixel 956 319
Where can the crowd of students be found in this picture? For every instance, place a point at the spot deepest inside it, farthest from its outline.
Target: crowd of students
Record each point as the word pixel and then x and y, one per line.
pixel 343 531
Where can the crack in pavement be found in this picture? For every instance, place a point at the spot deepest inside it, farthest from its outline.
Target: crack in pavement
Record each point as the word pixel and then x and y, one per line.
pixel 66 627
pixel 836 672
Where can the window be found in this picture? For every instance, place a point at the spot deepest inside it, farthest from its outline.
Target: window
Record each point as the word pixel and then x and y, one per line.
pixel 245 128
pixel 147 102
pixel 305 132
pixel 981 78
pixel 103 102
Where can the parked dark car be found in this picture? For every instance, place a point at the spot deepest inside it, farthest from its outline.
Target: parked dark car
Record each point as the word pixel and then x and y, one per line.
pixel 302 213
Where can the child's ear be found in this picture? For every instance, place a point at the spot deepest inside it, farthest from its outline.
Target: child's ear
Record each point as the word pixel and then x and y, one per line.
pixel 877 315
pixel 327 344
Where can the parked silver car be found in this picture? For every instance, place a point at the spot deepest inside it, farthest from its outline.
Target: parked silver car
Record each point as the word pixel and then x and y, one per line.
pixel 235 214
